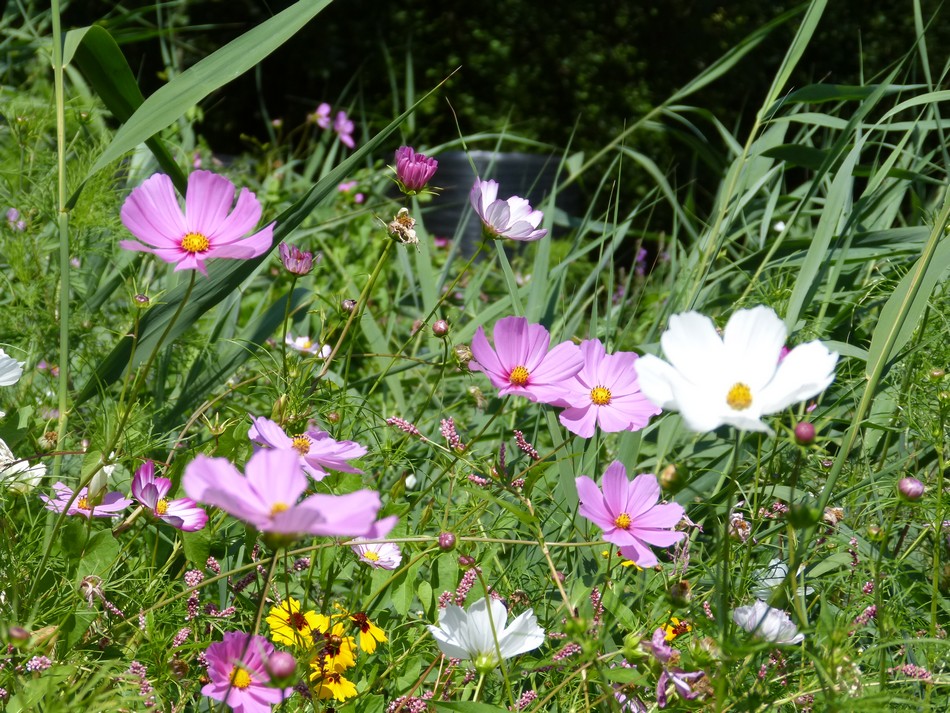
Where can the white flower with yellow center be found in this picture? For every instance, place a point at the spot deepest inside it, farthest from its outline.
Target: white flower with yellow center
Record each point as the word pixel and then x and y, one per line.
pixel 737 378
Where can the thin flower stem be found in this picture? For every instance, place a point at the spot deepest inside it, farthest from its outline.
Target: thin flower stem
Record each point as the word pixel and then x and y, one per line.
pixel 283 340
pixel 267 580
pixel 481 681
pixel 725 562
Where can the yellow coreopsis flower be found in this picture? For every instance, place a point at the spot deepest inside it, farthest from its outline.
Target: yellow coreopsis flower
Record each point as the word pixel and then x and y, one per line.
pixel 675 628
pixel 333 685
pixel 288 625
pixel 370 634
pixel 335 651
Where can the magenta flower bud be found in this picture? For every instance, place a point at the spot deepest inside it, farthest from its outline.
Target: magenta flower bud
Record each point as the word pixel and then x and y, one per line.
pixel 446 541
pixel 465 561
pixel 295 260
pixel 18 635
pixel 413 170
pixel 348 305
pixel 440 328
pixel 910 488
pixel 141 300
pixel 281 666
pixel 805 433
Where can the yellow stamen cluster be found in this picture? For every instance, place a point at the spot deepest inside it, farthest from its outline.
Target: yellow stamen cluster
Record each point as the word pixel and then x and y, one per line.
pixel 623 521
pixel 600 395
pixel 195 243
pixel 739 397
pixel 240 678
pixel 301 444
pixel 161 507
pixel 278 507
pixel 83 503
pixel 519 376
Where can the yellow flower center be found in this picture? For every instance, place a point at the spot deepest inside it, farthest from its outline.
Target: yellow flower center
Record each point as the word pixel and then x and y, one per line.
pixel 83 503
pixel 278 507
pixel 301 444
pixel 240 678
pixel 306 344
pixel 622 521
pixel 161 507
pixel 739 396
pixel 195 243
pixel 600 395
pixel 371 556
pixel 519 376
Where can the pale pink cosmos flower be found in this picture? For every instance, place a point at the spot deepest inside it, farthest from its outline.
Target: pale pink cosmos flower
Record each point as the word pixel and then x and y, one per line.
pixel 112 503
pixel 382 555
pixel 321 117
pixel 305 345
pixel 605 393
pixel 513 218
pixel 152 492
pixel 317 450
pixel 237 667
pixel 413 170
pixel 266 497
pixel 211 226
pixel 296 261
pixel 343 127
pixel 521 364
pixel 629 514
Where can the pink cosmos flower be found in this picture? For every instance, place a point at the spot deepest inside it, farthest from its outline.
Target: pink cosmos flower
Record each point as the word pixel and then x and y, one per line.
pixel 296 260
pixel 317 451
pixel 111 505
pixel 305 345
pixel 513 218
pixel 383 555
pixel 605 393
pixel 344 129
pixel 237 667
pixel 152 492
pixel 266 497
pixel 628 513
pixel 413 170
pixel 321 116
pixel 207 228
pixel 521 363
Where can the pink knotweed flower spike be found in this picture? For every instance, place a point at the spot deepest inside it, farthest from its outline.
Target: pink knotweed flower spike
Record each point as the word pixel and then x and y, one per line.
pixel 605 393
pixel 237 667
pixel 629 513
pixel 513 218
pixel 211 226
pixel 112 503
pixel 521 364
pixel 152 492
pixel 317 450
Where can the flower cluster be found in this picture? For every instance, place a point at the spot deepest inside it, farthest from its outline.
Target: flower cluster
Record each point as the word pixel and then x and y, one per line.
pixel 342 124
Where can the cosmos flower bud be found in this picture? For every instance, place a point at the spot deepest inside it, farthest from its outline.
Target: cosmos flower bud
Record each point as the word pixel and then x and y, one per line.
pixel 282 667
pixel 413 170
pixel 937 374
pixel 463 353
pixel 681 592
pixel 348 305
pixel 141 300
pixel 295 260
pixel 440 328
pixel 805 433
pixel 910 489
pixel 446 541
pixel 671 478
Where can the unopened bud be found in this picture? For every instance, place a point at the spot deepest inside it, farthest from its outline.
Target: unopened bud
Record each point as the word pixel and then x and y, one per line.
pixel 875 533
pixel 279 412
pixel 805 433
pixel 937 374
pixel 141 300
pixel 281 666
pixel 333 417
pixel 631 647
pixel 910 489
pixel 671 478
pixel 348 305
pixel 465 562
pixel 18 635
pixel 440 328
pixel 446 541
pixel 681 593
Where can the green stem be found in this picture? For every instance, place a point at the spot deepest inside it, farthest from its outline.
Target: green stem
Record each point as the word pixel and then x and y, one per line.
pixel 283 341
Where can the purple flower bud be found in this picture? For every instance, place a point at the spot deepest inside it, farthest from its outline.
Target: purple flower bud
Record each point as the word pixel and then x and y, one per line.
pixel 141 300
pixel 446 541
pixel 413 171
pixel 465 561
pixel 281 666
pixel 910 488
pixel 440 328
pixel 805 433
pixel 295 260
pixel 348 305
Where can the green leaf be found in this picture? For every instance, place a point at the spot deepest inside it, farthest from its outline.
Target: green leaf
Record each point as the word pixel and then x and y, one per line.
pixel 197 546
pixel 807 156
pixel 467 707
pixel 520 513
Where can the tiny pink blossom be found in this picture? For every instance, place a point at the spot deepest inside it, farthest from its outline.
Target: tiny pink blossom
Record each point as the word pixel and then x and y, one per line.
pixel 513 218
pixel 321 117
pixel 629 514
pixel 296 261
pixel 112 503
pixel 343 127
pixel 266 497
pixel 237 667
pixel 317 450
pixel 521 364
pixel 605 393
pixel 211 226
pixel 384 555
pixel 413 170
pixel 152 492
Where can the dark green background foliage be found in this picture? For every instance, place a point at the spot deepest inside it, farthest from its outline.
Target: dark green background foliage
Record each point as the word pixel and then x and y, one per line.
pixel 594 65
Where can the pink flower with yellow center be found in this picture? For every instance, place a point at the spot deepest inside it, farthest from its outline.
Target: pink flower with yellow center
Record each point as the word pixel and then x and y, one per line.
pixel 152 491
pixel 378 555
pixel 237 667
pixel 605 393
pixel 629 513
pixel 317 450
pixel 211 226
pixel 521 363
pixel 112 503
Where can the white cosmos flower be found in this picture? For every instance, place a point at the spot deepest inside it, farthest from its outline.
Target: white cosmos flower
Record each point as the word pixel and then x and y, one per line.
pixel 767 623
pixel 10 369
pixel 773 576
pixel 737 378
pixel 18 475
pixel 305 345
pixel 468 634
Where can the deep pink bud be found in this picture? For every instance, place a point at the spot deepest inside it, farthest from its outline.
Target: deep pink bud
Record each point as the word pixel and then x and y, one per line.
pixel 440 328
pixel 413 171
pixel 295 260
pixel 446 541
pixel 911 488
pixel 465 561
pixel 805 433
pixel 281 666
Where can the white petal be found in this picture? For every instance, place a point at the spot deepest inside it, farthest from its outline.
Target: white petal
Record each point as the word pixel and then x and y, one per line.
pixel 693 347
pixel 805 371
pixel 753 340
pixel 524 634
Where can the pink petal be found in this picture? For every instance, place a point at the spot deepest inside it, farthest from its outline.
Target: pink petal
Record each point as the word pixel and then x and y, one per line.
pixel 207 202
pixel 242 220
pixel 152 214
pixel 592 503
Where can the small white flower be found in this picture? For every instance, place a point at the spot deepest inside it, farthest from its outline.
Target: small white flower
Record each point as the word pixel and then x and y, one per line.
pixel 384 555
pixel 767 623
pixel 305 345
pixel 10 369
pixel 18 475
pixel 735 379
pixel 468 634
pixel 772 576
pixel 778 226
pixel 411 481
